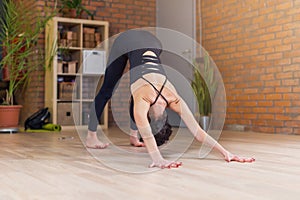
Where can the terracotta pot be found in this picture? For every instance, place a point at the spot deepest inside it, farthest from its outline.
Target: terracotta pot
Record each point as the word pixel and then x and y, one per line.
pixel 72 13
pixel 9 116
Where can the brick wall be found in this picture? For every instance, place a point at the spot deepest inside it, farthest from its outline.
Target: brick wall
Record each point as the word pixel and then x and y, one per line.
pixel 32 98
pixel 121 14
pixel 256 45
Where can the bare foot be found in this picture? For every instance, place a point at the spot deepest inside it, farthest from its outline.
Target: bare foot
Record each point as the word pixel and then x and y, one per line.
pixel 230 157
pixel 134 141
pixel 93 142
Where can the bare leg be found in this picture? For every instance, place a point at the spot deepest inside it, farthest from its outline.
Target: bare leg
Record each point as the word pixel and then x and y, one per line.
pixel 93 142
pixel 134 140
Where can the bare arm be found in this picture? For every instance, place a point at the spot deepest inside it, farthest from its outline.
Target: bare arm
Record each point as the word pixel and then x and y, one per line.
pixel 180 107
pixel 141 107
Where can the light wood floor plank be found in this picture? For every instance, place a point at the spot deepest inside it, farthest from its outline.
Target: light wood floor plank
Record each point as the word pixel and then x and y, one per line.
pixel 40 166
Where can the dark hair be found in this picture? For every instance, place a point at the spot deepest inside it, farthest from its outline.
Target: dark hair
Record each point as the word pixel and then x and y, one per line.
pixel 161 132
pixel 160 127
pixel 164 134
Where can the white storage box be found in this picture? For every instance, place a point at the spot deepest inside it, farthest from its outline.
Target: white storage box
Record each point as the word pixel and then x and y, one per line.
pixel 94 62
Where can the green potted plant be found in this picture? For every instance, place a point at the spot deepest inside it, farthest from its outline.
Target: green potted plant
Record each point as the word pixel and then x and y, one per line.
pixel 74 8
pixel 19 35
pixel 204 88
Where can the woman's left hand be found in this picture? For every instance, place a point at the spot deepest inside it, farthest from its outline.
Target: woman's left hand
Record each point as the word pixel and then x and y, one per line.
pixel 165 164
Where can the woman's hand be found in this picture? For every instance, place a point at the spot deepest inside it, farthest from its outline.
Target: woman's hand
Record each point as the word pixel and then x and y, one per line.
pixel 166 164
pixel 229 157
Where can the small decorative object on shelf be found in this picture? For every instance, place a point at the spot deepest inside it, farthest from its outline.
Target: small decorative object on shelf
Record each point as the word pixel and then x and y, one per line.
pixel 91 38
pixel 66 91
pixel 67 38
pixel 67 67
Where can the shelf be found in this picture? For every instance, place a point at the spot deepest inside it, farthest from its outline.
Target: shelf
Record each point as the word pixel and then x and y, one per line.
pixel 93 75
pixel 66 79
pixel 68 74
pixel 87 100
pixel 70 48
pixel 68 101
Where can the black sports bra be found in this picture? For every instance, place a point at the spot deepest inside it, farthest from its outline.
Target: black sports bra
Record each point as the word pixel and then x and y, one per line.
pixel 148 64
pixel 158 95
pixel 158 91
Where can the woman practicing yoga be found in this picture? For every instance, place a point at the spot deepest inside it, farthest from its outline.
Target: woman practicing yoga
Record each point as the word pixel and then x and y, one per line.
pixel 151 93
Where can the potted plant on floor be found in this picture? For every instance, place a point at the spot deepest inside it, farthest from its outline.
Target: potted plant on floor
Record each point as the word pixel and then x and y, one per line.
pixel 204 88
pixel 19 35
pixel 74 8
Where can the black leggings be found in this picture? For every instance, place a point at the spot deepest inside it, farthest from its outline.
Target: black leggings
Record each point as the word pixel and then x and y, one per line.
pixel 130 46
pixel 112 75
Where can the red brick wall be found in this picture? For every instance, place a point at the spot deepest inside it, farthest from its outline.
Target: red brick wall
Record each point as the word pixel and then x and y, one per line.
pixel 256 45
pixel 121 14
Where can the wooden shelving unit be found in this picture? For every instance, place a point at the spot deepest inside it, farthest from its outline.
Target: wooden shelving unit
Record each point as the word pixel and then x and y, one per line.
pixel 68 89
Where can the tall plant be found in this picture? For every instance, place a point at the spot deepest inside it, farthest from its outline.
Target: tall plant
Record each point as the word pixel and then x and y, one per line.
pixel 21 26
pixel 205 86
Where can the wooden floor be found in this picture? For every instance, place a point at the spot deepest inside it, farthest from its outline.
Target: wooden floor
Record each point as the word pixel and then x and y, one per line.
pixel 56 166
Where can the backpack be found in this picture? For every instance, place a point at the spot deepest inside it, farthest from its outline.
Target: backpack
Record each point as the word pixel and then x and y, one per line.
pixel 38 119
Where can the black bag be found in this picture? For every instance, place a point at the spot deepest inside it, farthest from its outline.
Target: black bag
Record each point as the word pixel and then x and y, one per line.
pixel 38 119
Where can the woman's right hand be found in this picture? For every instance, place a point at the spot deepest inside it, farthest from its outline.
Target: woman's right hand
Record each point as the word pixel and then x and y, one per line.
pixel 165 164
pixel 229 157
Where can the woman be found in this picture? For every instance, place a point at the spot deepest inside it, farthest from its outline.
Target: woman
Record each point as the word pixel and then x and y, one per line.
pixel 151 93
